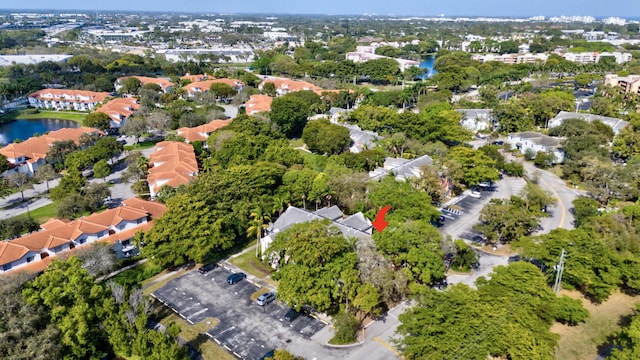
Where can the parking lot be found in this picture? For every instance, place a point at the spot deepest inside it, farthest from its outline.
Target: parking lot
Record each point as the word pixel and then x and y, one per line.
pixel 246 329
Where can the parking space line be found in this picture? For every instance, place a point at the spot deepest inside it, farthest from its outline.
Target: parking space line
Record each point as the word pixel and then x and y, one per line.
pixel 387 345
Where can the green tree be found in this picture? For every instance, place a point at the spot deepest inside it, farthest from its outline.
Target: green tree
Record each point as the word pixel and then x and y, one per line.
pixel 71 183
pixel 269 88
pixel 101 170
pixel 476 166
pixel 73 299
pixel 290 114
pixel 58 152
pixel 259 223
pixel 45 173
pixel 97 120
pixel 323 137
pixel 130 85
pixel 222 90
pixel 20 181
pixel 4 164
pixel 312 257
pixel 135 126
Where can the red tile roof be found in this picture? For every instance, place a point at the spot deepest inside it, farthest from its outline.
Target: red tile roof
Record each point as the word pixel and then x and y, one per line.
pixel 203 86
pixel 120 108
pixel 202 132
pixel 258 103
pixel 70 95
pixel 164 83
pixel 36 148
pixel 174 163
pixel 288 85
pixel 59 232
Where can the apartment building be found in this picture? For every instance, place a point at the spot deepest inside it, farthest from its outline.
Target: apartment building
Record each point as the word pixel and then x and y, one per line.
pixel 203 86
pixel 119 110
pixel 284 86
pixel 257 104
pixel 165 85
pixel 202 132
pixel 173 164
pixel 630 83
pixel 26 156
pixel 33 252
pixel 65 99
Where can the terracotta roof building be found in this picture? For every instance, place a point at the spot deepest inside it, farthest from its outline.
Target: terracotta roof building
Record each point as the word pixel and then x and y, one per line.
pixel 172 163
pixel 194 78
pixel 284 86
pixel 203 86
pixel 258 104
pixel 119 110
pixel 116 226
pixel 64 99
pixel 165 85
pixel 202 132
pixel 28 155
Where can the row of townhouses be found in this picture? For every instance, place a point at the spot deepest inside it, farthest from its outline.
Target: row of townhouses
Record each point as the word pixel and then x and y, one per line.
pixel 118 226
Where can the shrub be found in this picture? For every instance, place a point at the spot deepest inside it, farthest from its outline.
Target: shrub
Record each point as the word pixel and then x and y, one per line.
pixel 345 326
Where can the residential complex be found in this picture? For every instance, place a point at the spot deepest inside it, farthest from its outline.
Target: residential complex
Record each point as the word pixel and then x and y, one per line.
pixel 257 104
pixel 165 85
pixel 630 83
pixel 202 132
pixel 119 110
pixel 173 164
pixel 614 123
pixel 117 226
pixel 530 141
pixel 284 86
pixel 28 155
pixel 65 99
pixel 203 86
pixel 366 53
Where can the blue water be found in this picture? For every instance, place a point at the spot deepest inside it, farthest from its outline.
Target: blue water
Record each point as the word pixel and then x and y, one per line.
pixel 428 64
pixel 23 129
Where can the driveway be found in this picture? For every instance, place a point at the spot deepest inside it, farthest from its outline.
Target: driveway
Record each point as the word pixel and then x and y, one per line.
pixel 245 329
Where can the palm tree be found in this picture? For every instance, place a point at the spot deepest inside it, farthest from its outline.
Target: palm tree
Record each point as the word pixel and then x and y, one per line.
pixel 258 223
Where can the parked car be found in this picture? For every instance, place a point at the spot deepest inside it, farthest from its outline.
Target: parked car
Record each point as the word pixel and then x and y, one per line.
pixel 475 194
pixel 291 314
pixel 235 278
pixel 206 268
pixel 268 355
pixel 266 298
pixel 498 142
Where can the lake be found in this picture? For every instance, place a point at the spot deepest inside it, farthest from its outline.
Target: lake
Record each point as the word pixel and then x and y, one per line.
pixel 428 64
pixel 24 129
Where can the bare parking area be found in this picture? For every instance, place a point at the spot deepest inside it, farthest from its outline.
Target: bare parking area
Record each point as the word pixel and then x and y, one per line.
pixel 246 329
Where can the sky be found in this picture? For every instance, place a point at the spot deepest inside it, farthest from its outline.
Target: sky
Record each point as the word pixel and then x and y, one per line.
pixel 513 8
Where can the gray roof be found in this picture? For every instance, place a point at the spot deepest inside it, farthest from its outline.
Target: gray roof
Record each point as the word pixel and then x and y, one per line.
pixel 294 215
pixel 361 138
pixel 476 113
pixel 548 141
pixel 401 168
pixel 615 123
pixel 357 221
pixel 332 213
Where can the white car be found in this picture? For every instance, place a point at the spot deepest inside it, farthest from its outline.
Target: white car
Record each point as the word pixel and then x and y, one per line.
pixel 475 194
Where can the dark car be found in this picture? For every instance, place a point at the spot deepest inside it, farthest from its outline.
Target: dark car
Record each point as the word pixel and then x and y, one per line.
pixel 234 278
pixel 265 298
pixel 291 314
pixel 206 268
pixel 498 142
pixel 268 355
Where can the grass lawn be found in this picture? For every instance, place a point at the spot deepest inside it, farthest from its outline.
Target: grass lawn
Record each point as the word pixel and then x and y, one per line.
pixel 296 143
pixel 251 265
pixel 582 341
pixel 42 214
pixel 141 146
pixel 44 114
pixel 194 334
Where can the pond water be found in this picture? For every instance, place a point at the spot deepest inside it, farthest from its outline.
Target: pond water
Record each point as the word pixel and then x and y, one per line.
pixel 428 64
pixel 23 129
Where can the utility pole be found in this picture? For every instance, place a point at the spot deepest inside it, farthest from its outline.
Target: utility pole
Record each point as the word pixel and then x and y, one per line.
pixel 559 270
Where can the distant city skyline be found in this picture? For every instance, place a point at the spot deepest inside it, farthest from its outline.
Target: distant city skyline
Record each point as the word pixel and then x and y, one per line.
pixel 470 8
